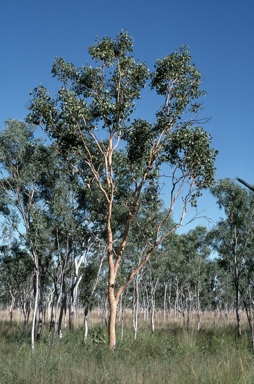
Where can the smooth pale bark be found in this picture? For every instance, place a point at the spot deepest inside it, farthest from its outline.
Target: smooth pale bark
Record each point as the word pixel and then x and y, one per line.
pixel 177 306
pixel 54 316
pixel 249 313
pixel 40 321
pixel 111 264
pixel 40 304
pixel 11 308
pixel 198 310
pixel 189 309
pixel 112 303
pixel 85 324
pixel 153 303
pixel 123 309
pixel 153 317
pixel 71 314
pixel 146 305
pixel 165 301
pixel 237 285
pixel 62 314
pixel 35 308
pixel 26 309
pixel 50 308
pixel 74 293
pixel 135 309
pixel 112 322
pixel 169 301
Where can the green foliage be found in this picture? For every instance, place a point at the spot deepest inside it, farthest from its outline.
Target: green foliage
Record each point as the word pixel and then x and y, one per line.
pixel 178 79
pixel 139 141
pixel 235 200
pixel 233 239
pixel 16 270
pixel 190 149
pixel 234 233
pixel 102 98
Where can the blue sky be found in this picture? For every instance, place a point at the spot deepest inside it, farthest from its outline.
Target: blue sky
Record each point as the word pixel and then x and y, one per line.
pixel 220 34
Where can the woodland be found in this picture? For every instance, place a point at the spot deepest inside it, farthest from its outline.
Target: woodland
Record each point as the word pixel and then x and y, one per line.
pixel 91 200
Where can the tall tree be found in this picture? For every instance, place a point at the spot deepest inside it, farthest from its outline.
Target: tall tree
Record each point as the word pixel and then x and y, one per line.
pixel 16 271
pixel 91 119
pixel 232 237
pixel 21 159
pixel 29 169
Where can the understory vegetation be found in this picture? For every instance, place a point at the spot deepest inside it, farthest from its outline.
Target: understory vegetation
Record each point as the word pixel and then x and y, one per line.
pixel 170 355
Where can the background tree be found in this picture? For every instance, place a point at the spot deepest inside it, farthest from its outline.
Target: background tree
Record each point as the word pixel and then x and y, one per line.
pixel 21 159
pixel 232 237
pixel 16 271
pixel 39 203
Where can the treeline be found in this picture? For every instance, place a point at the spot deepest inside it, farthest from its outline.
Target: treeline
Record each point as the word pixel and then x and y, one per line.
pixel 53 257
pixel 90 213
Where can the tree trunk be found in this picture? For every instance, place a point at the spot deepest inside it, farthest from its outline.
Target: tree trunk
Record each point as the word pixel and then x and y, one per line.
pixel 169 301
pixel 85 324
pixel 122 322
pixel 71 312
pixel 153 302
pixel 11 305
pixel 26 313
pixel 62 314
pixel 74 293
pixel 165 301
pixel 135 306
pixel 40 305
pixel 112 321
pixel 36 288
pixel 237 285
pixel 198 308
pixel 177 300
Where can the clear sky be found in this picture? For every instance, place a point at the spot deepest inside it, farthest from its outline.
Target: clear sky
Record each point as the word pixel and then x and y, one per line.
pixel 220 34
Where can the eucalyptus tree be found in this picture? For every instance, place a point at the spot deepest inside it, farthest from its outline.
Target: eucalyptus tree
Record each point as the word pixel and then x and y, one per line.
pixel 21 159
pixel 198 254
pixel 186 272
pixel 16 271
pixel 233 236
pixel 92 120
pixel 30 174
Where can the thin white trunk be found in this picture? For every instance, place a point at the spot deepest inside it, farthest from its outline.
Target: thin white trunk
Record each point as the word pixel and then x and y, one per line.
pixel 35 309
pixel 85 325
pixel 135 309
pixel 153 304
pixel 165 301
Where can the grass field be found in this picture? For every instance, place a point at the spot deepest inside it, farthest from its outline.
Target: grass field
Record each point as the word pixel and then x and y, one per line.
pixel 170 355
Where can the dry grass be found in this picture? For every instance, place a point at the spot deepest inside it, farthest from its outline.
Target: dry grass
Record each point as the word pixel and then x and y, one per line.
pixel 171 355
